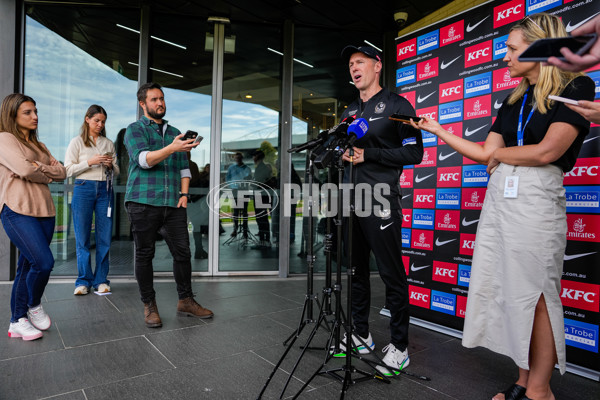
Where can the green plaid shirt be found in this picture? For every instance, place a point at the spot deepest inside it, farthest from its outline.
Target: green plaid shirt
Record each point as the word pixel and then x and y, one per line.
pixel 158 185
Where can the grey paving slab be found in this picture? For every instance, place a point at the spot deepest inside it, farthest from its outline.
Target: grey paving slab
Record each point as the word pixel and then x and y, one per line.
pixel 238 376
pixel 58 372
pixel 200 343
pixel 11 348
pixel 76 395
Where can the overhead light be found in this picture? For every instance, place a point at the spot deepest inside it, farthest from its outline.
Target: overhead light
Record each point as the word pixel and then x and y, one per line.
pixel 159 70
pixel 295 59
pixel 153 37
pixel 220 20
pixel 372 45
pixel 248 96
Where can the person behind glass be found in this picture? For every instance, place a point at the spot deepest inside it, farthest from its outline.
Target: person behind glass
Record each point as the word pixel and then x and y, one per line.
pixel 27 211
pixel 379 157
pixel 156 199
pixel 235 173
pixel 514 306
pixel 263 173
pixel 90 160
pixel 197 206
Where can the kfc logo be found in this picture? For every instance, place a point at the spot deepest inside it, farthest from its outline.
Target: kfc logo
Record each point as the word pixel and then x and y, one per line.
pixel 478 54
pixel 585 172
pixel 429 112
pixel 584 296
pixel 445 272
pixel 406 49
pixel 508 12
pixel 467 243
pixel 419 296
pixel 451 91
pixel 406 218
pixel 424 198
pixel 449 177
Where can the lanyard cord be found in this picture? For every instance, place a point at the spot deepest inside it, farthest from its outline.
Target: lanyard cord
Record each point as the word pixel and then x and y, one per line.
pixel 521 127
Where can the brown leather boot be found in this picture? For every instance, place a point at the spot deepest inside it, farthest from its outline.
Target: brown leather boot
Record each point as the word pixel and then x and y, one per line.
pixel 190 308
pixel 151 317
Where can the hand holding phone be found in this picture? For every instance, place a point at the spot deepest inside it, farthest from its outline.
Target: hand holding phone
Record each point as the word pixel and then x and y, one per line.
pixel 563 100
pixel 404 118
pixel 542 49
pixel 190 135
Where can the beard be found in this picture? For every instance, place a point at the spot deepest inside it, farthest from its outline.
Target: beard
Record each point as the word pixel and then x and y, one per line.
pixel 155 114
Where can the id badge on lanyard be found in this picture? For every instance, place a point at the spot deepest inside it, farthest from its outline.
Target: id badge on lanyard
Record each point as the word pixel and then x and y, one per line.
pixel 511 184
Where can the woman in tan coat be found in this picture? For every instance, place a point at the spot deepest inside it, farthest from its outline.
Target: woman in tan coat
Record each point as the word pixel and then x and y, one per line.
pixel 27 211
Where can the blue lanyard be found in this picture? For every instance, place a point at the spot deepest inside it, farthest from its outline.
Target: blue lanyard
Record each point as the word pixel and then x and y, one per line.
pixel 521 127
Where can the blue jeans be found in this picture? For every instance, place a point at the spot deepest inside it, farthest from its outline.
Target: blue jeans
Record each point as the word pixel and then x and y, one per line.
pixel 32 236
pixel 91 197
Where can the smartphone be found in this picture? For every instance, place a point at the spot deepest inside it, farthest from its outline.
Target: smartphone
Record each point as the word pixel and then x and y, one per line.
pixel 541 49
pixel 190 135
pixel 404 118
pixel 563 100
pixel 198 139
pixel 108 154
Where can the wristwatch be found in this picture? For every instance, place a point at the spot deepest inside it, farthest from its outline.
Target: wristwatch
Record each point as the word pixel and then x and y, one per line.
pixel 184 194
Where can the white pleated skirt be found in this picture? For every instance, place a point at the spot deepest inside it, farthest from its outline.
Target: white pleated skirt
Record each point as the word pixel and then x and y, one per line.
pixel 518 256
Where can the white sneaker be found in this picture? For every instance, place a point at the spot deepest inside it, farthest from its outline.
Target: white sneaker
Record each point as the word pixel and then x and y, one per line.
pixel 24 329
pixel 38 318
pixel 80 291
pixel 395 359
pixel 103 288
pixel 358 346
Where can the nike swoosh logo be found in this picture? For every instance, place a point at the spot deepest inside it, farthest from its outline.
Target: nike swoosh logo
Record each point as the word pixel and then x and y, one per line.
pixel 590 139
pixel 408 195
pixel 471 132
pixel 415 269
pixel 442 157
pixel 497 105
pixel 446 65
pixel 470 28
pixel 371 119
pixel 574 256
pixel 384 227
pixel 422 99
pixel 570 27
pixel 441 243
pixel 467 223
pixel 419 180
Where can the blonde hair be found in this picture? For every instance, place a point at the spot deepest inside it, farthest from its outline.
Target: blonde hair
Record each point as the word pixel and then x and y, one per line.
pixel 8 121
pixel 85 127
pixel 551 80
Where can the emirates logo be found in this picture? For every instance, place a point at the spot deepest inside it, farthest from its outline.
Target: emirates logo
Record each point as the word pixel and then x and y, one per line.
pixel 425 156
pixel 447 218
pixel 507 76
pixel 451 32
pixel 451 129
pixel 474 197
pixel 402 178
pixel 427 68
pixel 477 106
pixel 578 225
pixel 422 238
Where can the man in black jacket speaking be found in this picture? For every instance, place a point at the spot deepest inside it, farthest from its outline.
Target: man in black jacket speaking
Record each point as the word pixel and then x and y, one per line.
pixel 378 159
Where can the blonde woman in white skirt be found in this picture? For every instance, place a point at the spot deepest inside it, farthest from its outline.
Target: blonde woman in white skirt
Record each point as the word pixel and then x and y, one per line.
pixel 514 306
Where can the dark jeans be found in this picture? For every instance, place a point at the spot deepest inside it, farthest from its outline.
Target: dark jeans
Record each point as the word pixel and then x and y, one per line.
pixel 146 221
pixel 32 236
pixel 240 214
pixel 383 237
pixel 262 219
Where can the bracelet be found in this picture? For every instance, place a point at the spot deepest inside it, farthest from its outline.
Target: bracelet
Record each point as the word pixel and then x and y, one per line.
pixel 184 194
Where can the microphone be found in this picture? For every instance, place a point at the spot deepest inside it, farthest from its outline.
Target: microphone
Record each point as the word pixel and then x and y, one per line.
pixel 342 127
pixel 321 137
pixel 356 130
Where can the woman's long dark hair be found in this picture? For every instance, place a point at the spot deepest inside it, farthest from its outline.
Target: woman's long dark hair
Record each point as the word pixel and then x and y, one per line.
pixel 8 121
pixel 85 128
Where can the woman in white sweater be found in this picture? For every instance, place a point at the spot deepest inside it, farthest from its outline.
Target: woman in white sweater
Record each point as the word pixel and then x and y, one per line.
pixel 90 159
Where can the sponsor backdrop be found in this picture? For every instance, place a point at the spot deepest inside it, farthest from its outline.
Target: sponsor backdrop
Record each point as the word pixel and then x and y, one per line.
pixel 453 72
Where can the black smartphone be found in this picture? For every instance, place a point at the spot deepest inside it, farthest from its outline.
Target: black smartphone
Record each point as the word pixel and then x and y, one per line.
pixel 190 135
pixel 404 118
pixel 541 49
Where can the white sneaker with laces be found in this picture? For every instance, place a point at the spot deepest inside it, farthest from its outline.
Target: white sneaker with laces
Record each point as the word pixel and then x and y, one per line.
pixel 23 329
pixel 80 291
pixel 358 346
pixel 395 359
pixel 103 288
pixel 38 318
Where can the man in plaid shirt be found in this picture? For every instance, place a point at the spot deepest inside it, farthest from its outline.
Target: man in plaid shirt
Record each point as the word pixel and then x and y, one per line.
pixel 156 201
